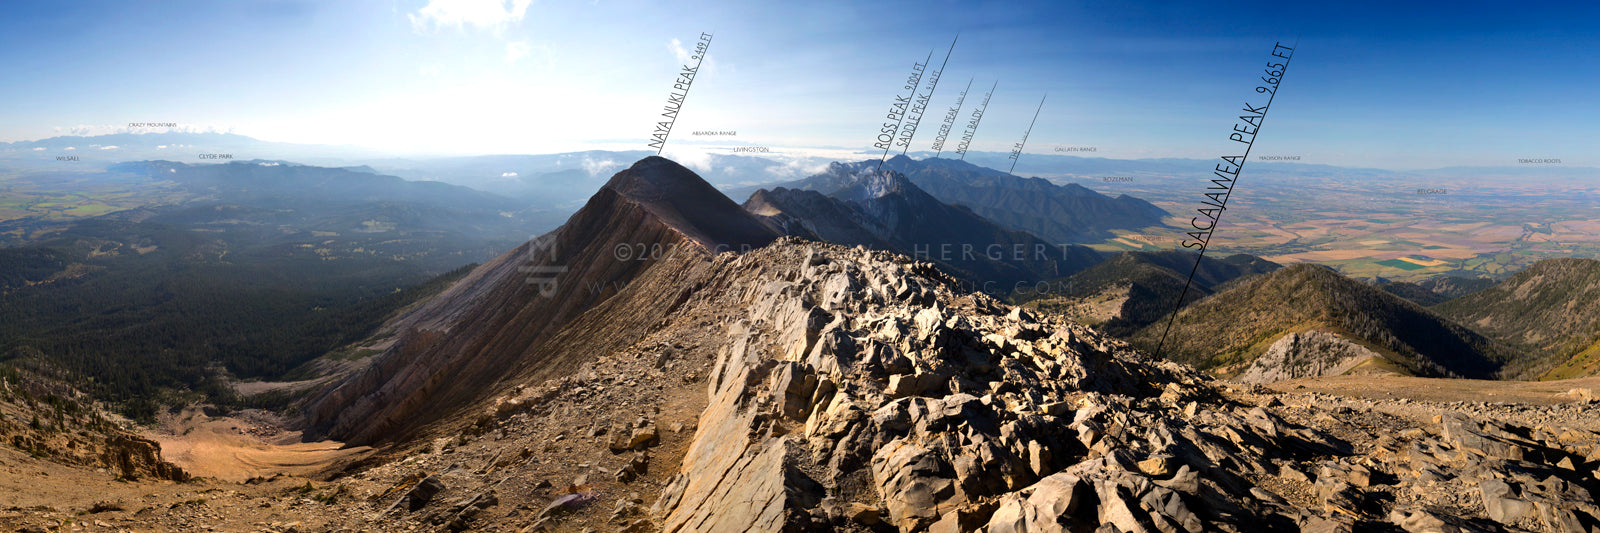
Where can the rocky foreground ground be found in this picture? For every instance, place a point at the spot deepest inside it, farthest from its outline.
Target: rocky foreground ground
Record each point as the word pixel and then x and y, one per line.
pixel 810 387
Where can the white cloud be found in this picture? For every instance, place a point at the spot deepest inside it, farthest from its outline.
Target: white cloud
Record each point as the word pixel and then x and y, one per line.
pixel 516 50
pixel 695 158
pixel 72 148
pixel 161 147
pixel 484 14
pixel 91 130
pixel 708 66
pixel 799 165
pixel 676 46
pixel 508 174
pixel 39 149
pixel 108 147
pixel 595 168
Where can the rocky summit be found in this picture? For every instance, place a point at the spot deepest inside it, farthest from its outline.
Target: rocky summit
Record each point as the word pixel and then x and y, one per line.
pixel 860 392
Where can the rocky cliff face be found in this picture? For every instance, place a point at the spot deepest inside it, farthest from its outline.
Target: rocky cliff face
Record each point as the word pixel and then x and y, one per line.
pixel 860 392
pixel 812 215
pixel 864 390
pixel 47 419
pixel 1306 355
pixel 625 260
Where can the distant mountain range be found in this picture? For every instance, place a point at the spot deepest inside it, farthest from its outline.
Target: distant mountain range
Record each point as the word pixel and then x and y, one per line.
pixel 882 209
pixel 731 172
pixel 97 151
pixel 346 200
pixel 568 179
pixel 1056 213
pixel 548 181
pixel 283 181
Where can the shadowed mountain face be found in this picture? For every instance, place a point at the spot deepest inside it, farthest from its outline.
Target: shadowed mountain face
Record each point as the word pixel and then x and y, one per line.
pixel 594 285
pixel 1551 311
pixel 683 201
pixel 1411 291
pixel 1452 287
pixel 1437 289
pixel 816 216
pixel 1055 213
pixel 1232 328
pixel 884 210
pixel 1132 290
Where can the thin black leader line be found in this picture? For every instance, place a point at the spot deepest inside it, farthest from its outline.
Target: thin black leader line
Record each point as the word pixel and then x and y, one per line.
pixel 1018 156
pixel 959 103
pixel 686 88
pixel 934 86
pixel 1207 244
pixel 902 119
pixel 984 108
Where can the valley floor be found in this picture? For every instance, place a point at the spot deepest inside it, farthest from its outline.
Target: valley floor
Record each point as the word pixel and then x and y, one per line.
pixel 237 448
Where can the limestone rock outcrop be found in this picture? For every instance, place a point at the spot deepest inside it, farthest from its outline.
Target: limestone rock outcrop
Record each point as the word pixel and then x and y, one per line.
pixel 862 392
pixel 1306 355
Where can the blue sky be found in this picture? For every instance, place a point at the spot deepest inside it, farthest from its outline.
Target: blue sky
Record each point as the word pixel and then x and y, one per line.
pixel 1385 85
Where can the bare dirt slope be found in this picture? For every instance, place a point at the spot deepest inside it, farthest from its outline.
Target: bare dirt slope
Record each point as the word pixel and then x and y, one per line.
pixel 1444 390
pixel 251 444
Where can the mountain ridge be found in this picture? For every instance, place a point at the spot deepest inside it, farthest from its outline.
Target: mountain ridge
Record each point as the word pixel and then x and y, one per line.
pixel 1057 213
pixel 901 217
pixel 1146 283
pixel 498 324
pixel 1234 326
pixel 1551 310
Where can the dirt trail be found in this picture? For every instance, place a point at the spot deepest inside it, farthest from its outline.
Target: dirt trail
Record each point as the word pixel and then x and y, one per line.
pixel 1442 390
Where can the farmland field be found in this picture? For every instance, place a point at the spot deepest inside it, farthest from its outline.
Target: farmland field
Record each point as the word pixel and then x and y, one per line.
pixel 1382 228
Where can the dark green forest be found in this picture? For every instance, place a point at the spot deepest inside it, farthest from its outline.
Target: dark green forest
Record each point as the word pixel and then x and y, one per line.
pixel 263 267
pixel 134 329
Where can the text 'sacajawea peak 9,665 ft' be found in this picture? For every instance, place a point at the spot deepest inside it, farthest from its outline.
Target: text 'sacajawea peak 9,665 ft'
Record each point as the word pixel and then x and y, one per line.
pixel 1226 173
